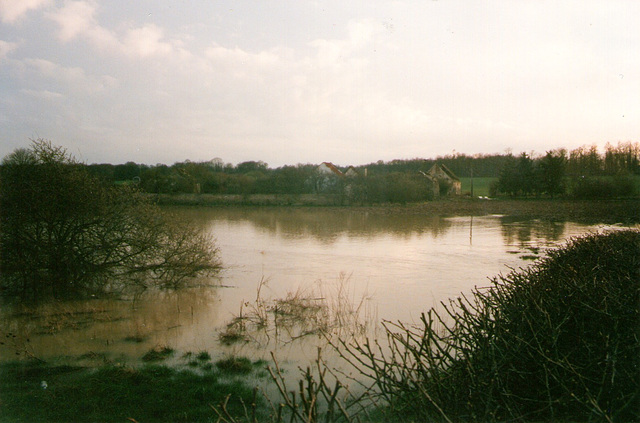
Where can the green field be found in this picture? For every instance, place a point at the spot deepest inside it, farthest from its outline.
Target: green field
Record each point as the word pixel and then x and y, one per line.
pixel 480 186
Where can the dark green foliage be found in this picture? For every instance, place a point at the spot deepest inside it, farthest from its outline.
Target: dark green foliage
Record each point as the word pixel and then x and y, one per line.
pixel 550 173
pixel 66 232
pixel 525 176
pixel 508 181
pixel 393 187
pixel 127 171
pixel 116 394
pixel 203 356
pixel 559 341
pixel 603 187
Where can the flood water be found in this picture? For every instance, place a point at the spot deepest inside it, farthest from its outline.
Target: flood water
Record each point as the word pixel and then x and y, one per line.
pixel 389 267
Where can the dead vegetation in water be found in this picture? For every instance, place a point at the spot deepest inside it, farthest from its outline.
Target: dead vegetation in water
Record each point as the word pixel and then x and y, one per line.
pixel 320 310
pixel 59 316
pixel 320 394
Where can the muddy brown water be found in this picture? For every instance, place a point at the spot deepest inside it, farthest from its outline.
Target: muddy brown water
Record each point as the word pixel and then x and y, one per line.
pixel 385 267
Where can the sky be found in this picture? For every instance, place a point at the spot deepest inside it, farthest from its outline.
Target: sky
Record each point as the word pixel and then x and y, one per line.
pixel 307 81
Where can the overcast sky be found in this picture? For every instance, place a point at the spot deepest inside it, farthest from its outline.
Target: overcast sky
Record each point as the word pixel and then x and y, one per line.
pixel 303 81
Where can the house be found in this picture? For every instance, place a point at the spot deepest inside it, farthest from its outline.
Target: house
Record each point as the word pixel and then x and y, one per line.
pixel 446 178
pixel 432 184
pixel 327 178
pixel 328 168
pixel 351 172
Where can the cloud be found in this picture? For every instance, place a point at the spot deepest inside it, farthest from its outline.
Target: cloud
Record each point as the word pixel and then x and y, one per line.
pixel 44 94
pixel 403 81
pixel 12 10
pixel 334 52
pixel 146 41
pixel 77 19
pixel 6 47
pixel 74 18
pixel 71 78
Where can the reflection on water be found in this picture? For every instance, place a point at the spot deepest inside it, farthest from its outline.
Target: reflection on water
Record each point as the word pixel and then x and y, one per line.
pixel 106 329
pixel 405 264
pixel 523 232
pixel 322 224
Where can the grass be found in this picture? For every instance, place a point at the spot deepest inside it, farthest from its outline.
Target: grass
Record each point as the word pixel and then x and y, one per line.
pixel 151 393
pixel 235 365
pixel 480 186
pixel 200 360
pixel 158 353
pixel 203 356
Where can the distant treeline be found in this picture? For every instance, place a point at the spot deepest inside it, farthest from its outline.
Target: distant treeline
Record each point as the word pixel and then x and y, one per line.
pixel 256 177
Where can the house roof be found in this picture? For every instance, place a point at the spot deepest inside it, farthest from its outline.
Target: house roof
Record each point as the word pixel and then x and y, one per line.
pixel 449 173
pixel 333 168
pixel 351 171
pixel 445 170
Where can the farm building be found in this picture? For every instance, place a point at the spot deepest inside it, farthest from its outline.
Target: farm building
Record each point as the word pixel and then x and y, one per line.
pixel 328 177
pixel 446 178
pixel 351 172
pixel 328 168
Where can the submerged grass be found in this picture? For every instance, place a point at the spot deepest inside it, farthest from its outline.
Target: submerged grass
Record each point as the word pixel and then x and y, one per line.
pixel 158 353
pixel 235 365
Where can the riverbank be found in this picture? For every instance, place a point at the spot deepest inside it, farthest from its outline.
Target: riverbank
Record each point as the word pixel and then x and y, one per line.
pixel 605 211
pixel 626 211
pixel 196 391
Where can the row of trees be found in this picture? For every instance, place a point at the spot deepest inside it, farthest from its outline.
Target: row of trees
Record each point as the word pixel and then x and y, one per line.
pixel 526 174
pixel 582 172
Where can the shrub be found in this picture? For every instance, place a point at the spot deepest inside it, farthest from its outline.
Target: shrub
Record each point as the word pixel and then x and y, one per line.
pixel 556 341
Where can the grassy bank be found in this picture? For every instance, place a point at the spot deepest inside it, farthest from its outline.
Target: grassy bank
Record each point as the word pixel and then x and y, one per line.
pixel 247 200
pixel 625 211
pixel 32 391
